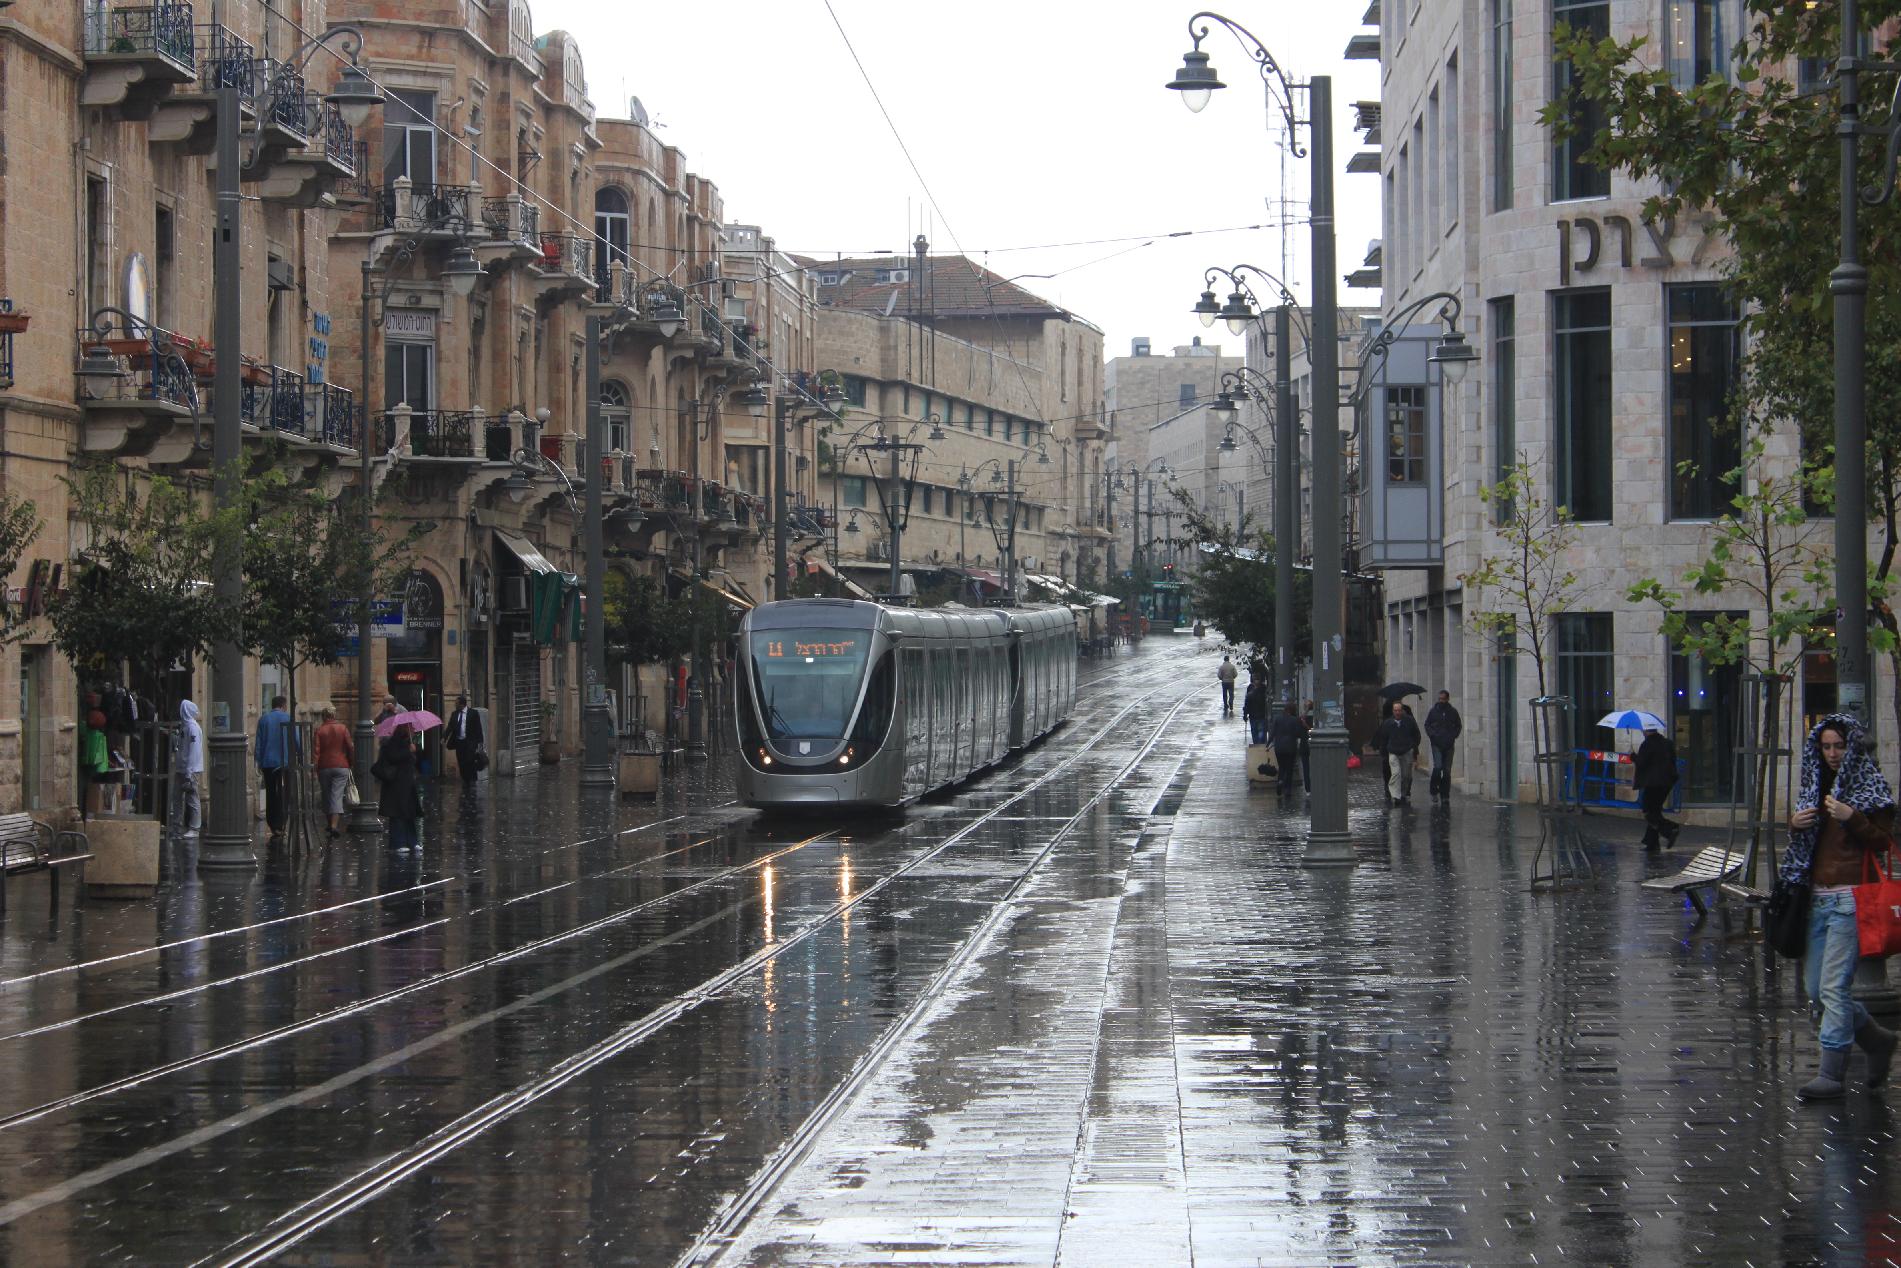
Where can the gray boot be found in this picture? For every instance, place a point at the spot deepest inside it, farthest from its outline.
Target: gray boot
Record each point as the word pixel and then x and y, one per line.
pixel 1879 1044
pixel 1827 1084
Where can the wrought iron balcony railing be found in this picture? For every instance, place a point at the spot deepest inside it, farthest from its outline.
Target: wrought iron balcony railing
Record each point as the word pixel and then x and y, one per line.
pixel 566 253
pixel 324 121
pixel 225 60
pixel 426 207
pixel 283 102
pixel 511 219
pixel 287 401
pixel 154 30
pixel 6 345
pixel 156 364
pixel 434 433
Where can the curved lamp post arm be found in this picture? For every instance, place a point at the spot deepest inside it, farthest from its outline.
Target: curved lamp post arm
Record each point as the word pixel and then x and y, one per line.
pixel 1244 306
pixel 537 462
pixel 1198 77
pixel 1453 354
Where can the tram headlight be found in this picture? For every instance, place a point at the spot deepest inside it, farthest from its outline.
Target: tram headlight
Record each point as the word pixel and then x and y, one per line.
pixel 765 758
pixel 844 759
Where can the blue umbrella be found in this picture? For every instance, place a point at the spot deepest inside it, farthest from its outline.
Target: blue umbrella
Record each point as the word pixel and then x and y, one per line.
pixel 1633 720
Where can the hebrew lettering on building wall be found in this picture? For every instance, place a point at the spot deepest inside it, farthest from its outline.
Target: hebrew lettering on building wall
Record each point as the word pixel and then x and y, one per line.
pixel 1586 244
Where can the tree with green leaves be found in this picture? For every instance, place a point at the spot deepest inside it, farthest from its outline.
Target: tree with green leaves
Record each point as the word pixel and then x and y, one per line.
pixel 19 527
pixel 307 558
pixel 1527 580
pixel 141 587
pixel 1754 152
pixel 1232 584
pixel 642 624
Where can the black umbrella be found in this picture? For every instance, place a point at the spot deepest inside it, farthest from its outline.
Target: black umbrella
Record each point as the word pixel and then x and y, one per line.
pixel 1394 690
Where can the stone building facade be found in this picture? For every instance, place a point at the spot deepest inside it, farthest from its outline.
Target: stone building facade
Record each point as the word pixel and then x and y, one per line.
pixel 489 140
pixel 106 203
pixel 1142 391
pixel 1607 354
pixel 992 381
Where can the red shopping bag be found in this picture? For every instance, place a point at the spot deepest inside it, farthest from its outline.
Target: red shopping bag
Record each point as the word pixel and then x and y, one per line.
pixel 1878 912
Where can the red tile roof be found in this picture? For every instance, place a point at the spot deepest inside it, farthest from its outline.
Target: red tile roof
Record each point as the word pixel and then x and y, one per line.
pixel 957 287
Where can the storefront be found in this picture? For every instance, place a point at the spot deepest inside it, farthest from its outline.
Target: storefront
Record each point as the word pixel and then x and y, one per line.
pixel 415 657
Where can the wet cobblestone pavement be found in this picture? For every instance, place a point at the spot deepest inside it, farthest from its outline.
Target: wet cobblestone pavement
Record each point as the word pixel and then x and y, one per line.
pixel 1087 1010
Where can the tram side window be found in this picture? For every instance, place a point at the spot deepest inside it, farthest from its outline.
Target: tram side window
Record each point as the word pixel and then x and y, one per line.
pixel 874 716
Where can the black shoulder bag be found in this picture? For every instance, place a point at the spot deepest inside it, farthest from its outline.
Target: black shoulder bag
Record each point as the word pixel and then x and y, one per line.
pixel 1785 921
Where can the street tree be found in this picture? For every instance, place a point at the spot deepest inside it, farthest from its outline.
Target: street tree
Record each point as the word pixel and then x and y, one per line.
pixel 307 561
pixel 1232 583
pixel 1754 154
pixel 1526 580
pixel 643 626
pixel 19 527
pixel 141 591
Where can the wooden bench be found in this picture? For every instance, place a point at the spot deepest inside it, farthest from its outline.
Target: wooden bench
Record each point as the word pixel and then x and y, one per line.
pixel 1712 866
pixel 27 845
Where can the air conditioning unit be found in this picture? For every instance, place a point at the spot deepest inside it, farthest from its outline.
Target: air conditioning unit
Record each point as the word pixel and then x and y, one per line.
pixel 281 275
pixel 514 594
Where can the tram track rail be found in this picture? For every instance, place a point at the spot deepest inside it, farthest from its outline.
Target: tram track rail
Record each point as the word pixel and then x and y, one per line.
pixel 380 1177
pixel 723 1234
pixel 682 1003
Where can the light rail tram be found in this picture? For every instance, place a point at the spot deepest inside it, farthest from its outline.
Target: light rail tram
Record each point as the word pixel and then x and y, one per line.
pixel 839 702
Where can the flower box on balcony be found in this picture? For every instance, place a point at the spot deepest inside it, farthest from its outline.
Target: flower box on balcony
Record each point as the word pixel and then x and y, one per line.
pixel 252 372
pixel 14 323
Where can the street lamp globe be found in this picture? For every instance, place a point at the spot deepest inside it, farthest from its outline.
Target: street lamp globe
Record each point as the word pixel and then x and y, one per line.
pixel 1225 412
pixel 666 317
pixel 1207 308
pixel 462 269
pixel 1454 356
pixel 354 95
pixel 1195 81
pixel 1237 313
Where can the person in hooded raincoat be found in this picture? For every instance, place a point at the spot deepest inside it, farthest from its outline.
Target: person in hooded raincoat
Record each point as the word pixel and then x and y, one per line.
pixel 188 766
pixel 1844 814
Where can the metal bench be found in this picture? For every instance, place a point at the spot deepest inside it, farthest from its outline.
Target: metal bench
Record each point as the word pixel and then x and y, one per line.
pixel 27 845
pixel 1710 867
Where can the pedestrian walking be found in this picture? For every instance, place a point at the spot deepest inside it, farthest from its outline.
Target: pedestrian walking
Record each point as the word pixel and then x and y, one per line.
pixel 1285 733
pixel 401 803
pixel 1655 776
pixel 188 763
pixel 95 757
pixel 1254 709
pixel 275 744
pixel 465 737
pixel 335 756
pixel 1227 674
pixel 1443 725
pixel 1398 739
pixel 1844 815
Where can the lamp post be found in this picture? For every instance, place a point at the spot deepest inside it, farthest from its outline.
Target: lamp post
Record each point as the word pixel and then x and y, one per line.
pixel 831 403
pixel 1005 473
pixel 597 726
pixel 891 498
pixel 1328 844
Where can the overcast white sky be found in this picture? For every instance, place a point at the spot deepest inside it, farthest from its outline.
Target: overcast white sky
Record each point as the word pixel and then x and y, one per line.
pixel 1033 121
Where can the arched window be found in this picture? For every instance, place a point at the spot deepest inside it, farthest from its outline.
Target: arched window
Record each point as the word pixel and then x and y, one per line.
pixel 616 411
pixel 613 225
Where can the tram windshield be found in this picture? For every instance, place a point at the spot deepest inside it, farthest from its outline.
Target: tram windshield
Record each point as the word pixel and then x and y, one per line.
pixel 808 680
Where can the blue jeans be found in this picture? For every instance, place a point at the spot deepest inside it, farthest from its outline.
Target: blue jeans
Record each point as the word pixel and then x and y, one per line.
pixel 1257 730
pixel 402 833
pixel 1829 968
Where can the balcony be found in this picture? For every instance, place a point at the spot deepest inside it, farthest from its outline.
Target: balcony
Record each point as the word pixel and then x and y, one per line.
pixel 564 269
pixel 511 225
pixel 424 209
pixel 136 55
pixel 11 324
pixel 138 391
pixel 731 348
pixel 432 435
pixel 189 119
pixel 329 158
pixel 283 118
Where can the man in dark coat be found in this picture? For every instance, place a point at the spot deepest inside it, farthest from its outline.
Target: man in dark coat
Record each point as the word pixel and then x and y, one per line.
pixel 1656 776
pixel 1442 731
pixel 1285 732
pixel 465 737
pixel 1398 738
pixel 1254 709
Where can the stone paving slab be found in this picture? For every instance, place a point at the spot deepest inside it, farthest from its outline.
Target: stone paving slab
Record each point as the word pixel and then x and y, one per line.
pixel 1235 1060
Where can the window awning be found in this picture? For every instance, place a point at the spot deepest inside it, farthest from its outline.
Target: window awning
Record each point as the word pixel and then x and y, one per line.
pixel 851 587
pixel 524 550
pixel 742 604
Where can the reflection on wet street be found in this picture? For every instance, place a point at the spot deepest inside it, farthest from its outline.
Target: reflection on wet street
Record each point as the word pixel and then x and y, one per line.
pixel 1087 1009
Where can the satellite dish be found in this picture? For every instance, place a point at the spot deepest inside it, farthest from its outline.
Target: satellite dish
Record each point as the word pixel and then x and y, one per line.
pixel 636 111
pixel 138 287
